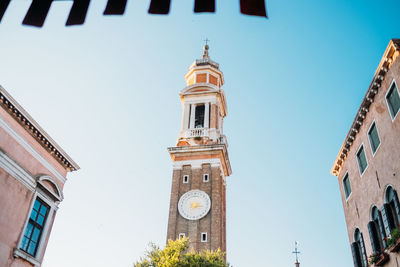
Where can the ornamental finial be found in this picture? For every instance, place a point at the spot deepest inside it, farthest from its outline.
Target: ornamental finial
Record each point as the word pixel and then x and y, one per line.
pixel 296 251
pixel 206 47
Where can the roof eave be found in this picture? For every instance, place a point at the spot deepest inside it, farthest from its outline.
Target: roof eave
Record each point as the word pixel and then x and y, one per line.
pixel 34 129
pixel 383 67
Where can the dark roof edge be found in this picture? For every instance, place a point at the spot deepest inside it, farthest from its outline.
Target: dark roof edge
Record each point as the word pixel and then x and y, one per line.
pixel 380 73
pixel 9 104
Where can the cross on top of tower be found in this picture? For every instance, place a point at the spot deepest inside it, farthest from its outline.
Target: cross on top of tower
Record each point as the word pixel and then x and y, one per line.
pixel 296 251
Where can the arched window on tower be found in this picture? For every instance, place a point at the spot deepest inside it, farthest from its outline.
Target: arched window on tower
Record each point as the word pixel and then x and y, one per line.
pixel 199 116
pixel 391 210
pixel 358 250
pixel 376 231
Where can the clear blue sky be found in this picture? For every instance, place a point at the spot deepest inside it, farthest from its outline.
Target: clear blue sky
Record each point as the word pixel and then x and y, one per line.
pixel 107 92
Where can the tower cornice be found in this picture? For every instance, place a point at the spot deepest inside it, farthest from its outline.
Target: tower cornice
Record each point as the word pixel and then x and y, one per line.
pixel 207 88
pixel 185 153
pixel 199 89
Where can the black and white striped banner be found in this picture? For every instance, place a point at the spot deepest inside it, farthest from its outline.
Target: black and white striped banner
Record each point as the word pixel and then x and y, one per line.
pixel 39 9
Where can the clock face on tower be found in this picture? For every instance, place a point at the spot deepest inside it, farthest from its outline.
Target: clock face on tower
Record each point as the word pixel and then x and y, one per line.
pixel 194 205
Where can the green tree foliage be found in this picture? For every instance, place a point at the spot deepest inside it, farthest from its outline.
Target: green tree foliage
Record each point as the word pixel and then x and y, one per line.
pixel 176 254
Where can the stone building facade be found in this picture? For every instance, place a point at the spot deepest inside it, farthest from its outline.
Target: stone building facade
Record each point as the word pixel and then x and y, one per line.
pixel 33 170
pixel 200 160
pixel 368 168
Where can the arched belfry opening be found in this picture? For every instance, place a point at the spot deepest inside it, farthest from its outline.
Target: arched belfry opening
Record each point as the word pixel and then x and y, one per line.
pixel 199 116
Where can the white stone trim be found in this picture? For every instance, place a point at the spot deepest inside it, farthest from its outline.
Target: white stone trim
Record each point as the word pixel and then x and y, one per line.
pixel 185 179
pixel 185 116
pixel 19 112
pixel 18 253
pixel 358 163
pixel 20 140
pixel 19 173
pixel 53 207
pixel 387 102
pixel 192 115
pixel 174 150
pixel 201 237
pixel 204 178
pixel 59 194
pixel 344 190
pixel 385 200
pixel 195 99
pixel 370 211
pixel 369 139
pixel 16 171
pixel 212 133
pixel 196 163
pixel 181 235
pixel 207 115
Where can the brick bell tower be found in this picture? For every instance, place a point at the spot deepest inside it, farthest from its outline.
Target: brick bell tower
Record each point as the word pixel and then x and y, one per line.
pixel 200 160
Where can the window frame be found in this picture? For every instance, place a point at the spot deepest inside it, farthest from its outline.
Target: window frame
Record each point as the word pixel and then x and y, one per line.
pixel 185 179
pixel 391 202
pixel 206 237
pixel 378 225
pixel 387 102
pixel 53 206
pixel 360 239
pixel 370 140
pixel 204 178
pixel 35 225
pixel 358 161
pixel 181 235
pixel 344 188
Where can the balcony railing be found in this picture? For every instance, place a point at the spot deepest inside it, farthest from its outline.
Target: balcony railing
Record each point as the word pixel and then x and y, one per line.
pixel 199 132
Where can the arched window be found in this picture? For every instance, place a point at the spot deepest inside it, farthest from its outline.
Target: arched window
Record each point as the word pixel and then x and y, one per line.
pixel 358 250
pixel 376 231
pixel 391 210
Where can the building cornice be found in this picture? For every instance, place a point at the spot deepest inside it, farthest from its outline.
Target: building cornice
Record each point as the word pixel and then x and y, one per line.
pixel 10 105
pixel 211 89
pixel 390 55
pixel 186 152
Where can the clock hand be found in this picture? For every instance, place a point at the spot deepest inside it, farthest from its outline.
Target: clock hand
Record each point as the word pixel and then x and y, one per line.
pixel 195 205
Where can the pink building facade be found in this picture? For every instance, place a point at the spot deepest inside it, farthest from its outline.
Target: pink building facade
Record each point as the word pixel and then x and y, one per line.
pixel 368 169
pixel 33 170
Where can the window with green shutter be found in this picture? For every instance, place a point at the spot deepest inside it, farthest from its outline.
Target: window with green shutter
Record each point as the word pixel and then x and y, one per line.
pixel 346 186
pixel 362 159
pixel 376 216
pixel 359 239
pixel 393 100
pixel 374 138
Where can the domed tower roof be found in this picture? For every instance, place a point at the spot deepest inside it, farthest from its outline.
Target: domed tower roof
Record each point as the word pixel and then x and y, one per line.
pixel 199 68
